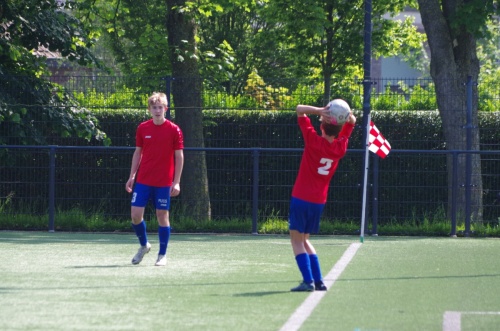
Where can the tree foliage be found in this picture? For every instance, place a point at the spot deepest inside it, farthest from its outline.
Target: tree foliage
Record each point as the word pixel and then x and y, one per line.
pixel 31 108
pixel 453 28
pixel 282 39
pixel 134 31
pixel 328 35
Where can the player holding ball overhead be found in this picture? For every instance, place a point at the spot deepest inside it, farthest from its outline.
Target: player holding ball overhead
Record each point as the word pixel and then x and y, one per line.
pixel 318 164
pixel 156 171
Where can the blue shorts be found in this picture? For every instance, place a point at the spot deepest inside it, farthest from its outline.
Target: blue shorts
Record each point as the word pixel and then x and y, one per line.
pixel 160 196
pixel 304 216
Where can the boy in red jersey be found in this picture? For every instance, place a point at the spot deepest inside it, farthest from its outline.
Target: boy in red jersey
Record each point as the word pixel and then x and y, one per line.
pixel 319 162
pixel 159 153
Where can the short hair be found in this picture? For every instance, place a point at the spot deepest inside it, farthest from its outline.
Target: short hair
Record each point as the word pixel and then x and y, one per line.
pixel 158 97
pixel 331 129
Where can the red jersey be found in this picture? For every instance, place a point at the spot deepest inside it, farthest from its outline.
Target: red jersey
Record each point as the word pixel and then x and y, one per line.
pixel 158 143
pixel 319 161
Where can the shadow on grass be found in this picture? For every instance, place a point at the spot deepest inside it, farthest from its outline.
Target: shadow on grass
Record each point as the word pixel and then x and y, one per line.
pixel 101 266
pixel 415 278
pixel 41 238
pixel 159 285
pixel 259 294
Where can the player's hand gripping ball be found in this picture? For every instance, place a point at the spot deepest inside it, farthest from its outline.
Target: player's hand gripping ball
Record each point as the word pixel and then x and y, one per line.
pixel 338 111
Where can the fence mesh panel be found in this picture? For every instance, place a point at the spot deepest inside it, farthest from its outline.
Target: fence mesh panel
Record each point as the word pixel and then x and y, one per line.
pixel 412 185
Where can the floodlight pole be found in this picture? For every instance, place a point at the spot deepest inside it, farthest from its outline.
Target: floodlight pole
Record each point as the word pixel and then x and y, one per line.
pixel 367 57
pixel 365 183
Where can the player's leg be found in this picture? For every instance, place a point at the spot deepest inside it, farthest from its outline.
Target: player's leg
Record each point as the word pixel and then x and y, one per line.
pixel 139 225
pixel 313 227
pixel 296 224
pixel 315 266
pixel 140 231
pixel 162 204
pixel 140 197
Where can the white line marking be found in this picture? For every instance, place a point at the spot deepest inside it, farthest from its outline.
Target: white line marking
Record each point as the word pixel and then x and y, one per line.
pixel 306 308
pixel 452 320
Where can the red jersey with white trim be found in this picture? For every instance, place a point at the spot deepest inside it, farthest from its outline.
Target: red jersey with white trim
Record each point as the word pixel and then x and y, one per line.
pixel 319 161
pixel 158 143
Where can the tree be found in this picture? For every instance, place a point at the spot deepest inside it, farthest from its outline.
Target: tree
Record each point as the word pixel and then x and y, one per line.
pixel 136 34
pixel 31 108
pixel 157 38
pixel 244 44
pixel 182 26
pixel 186 93
pixel 453 28
pixel 134 31
pixel 328 35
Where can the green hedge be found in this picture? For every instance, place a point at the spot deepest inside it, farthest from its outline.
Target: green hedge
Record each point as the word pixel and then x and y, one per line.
pixel 95 179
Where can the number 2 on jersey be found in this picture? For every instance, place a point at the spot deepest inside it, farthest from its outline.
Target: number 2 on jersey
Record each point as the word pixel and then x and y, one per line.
pixel 323 170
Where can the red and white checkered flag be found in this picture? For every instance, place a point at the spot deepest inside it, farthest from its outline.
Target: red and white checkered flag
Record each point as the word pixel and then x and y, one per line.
pixel 378 144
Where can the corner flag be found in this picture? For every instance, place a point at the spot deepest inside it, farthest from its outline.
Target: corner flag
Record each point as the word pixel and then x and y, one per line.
pixel 377 143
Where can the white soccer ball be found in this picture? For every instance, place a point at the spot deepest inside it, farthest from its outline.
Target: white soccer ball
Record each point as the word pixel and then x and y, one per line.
pixel 339 111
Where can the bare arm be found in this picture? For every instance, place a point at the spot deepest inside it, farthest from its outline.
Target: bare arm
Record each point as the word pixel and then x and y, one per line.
pixel 136 160
pixel 179 164
pixel 303 110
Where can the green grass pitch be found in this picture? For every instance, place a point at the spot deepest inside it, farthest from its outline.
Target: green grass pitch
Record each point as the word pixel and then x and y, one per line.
pixel 77 281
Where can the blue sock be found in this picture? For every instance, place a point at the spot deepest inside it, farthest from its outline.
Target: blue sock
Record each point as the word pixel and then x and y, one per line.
pixel 315 268
pixel 304 267
pixel 163 236
pixel 140 231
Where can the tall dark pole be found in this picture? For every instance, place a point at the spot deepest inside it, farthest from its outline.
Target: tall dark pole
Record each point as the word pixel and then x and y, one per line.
pixel 468 158
pixel 367 57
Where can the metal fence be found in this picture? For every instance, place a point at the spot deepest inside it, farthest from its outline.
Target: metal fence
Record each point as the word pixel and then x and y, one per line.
pixel 250 172
pixel 247 185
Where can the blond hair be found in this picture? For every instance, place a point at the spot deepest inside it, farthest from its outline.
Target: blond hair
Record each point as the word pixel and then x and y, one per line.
pixel 158 98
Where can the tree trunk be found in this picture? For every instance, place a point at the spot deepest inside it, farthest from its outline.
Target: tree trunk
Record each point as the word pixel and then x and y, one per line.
pixel 453 59
pixel 187 100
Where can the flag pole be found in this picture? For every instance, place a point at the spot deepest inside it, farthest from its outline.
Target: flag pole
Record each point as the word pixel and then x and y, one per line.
pixel 365 180
pixel 367 84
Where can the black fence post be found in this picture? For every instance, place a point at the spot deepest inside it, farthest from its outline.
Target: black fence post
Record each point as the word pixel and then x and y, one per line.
pixel 454 192
pixel 375 196
pixel 52 186
pixel 255 189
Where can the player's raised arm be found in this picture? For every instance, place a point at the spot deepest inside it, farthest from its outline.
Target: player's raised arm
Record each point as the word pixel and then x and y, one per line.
pixel 303 110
